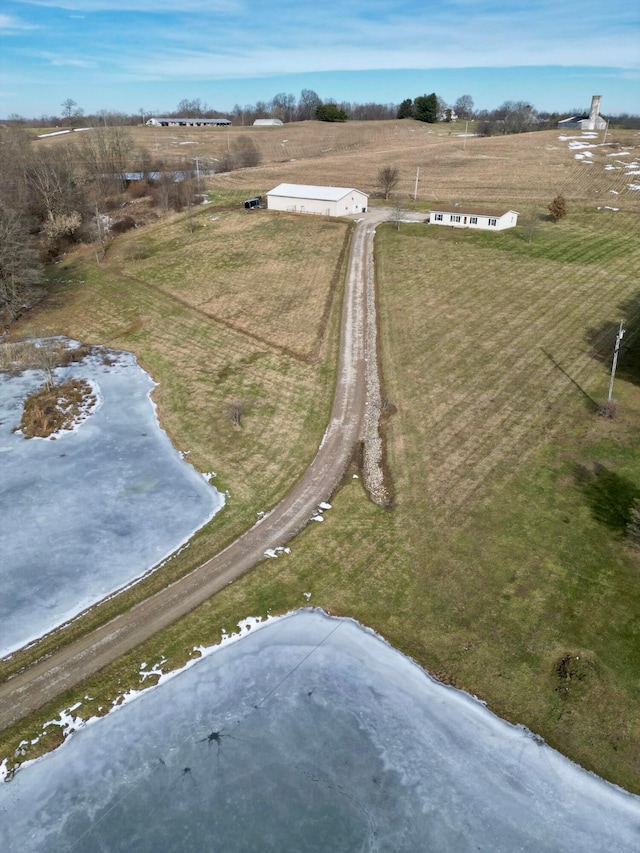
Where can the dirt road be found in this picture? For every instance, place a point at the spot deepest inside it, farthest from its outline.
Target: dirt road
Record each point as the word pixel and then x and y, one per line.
pixel 48 678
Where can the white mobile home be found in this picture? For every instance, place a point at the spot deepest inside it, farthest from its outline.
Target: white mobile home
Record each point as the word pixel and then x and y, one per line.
pixel 471 217
pixel 323 201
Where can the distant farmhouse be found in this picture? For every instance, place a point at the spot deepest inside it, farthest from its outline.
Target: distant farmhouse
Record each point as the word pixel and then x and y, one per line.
pixel 189 122
pixel 593 121
pixel 268 122
pixel 325 201
pixel 471 217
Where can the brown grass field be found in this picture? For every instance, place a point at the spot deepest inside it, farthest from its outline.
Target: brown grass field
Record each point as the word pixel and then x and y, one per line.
pixel 503 565
pixel 519 170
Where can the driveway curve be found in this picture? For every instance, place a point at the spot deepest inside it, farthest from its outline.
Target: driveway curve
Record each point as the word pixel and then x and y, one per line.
pixel 33 687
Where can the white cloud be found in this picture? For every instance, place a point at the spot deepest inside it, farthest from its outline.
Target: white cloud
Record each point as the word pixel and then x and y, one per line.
pixel 285 38
pixel 9 24
pixel 73 63
pixel 151 6
pixel 255 60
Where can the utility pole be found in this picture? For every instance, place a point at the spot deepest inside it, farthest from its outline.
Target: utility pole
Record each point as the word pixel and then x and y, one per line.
pixel 466 127
pixel 605 132
pixel 415 189
pixel 615 358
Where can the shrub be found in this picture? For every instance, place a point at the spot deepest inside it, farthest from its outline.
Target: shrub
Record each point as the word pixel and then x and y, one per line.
pixel 558 208
pixel 123 225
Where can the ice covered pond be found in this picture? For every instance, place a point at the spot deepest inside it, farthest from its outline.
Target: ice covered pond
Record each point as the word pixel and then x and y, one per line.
pixel 89 512
pixel 310 734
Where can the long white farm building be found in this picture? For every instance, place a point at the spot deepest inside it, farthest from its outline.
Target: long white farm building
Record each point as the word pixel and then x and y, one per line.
pixel 189 122
pixel 323 201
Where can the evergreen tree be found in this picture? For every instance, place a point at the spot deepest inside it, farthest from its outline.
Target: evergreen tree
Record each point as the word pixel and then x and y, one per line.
pixel 426 108
pixel 405 110
pixel 330 112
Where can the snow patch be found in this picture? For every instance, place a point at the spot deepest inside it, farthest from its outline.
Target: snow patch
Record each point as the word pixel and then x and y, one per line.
pixel 273 553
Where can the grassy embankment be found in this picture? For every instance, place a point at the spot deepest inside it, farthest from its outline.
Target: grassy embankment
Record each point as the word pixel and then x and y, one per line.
pixel 503 566
pixel 218 327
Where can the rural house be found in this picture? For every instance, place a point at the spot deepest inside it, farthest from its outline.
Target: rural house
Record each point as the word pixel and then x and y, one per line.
pixel 324 201
pixel 472 217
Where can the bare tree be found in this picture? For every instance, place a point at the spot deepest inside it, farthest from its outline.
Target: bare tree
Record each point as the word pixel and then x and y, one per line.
pixel 464 107
pixel 193 108
pixel 307 103
pixel 283 106
pixel 388 179
pixel 516 116
pixel 164 191
pixel 398 211
pixel 46 355
pixel 236 410
pixel 20 268
pixel 70 110
pixel 53 183
pixel 532 224
pixel 106 152
pixel 14 155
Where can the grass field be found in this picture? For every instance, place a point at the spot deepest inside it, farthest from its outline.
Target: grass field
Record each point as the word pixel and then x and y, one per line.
pixel 503 566
pixel 276 364
pixel 521 171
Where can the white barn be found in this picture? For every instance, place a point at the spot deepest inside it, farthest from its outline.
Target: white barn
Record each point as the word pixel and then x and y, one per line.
pixel 593 121
pixel 324 201
pixel 471 217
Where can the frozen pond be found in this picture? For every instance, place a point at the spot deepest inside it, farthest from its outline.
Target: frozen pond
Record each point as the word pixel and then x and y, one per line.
pixel 310 734
pixel 96 508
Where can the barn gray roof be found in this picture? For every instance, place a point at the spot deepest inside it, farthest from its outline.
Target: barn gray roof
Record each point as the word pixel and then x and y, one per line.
pixel 310 191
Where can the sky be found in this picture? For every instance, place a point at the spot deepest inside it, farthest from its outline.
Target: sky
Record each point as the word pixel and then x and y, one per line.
pixel 148 55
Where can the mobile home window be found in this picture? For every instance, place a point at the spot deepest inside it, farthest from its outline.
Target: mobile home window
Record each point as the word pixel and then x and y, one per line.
pixel 493 222
pixel 473 220
pixel 439 217
pixel 455 217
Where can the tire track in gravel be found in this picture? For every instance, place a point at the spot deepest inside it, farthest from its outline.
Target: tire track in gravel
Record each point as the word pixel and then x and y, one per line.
pixel 50 677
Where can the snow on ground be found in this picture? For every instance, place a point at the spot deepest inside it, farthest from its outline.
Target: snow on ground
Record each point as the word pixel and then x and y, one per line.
pixel 580 143
pixel 93 509
pixel 313 734
pixel 54 133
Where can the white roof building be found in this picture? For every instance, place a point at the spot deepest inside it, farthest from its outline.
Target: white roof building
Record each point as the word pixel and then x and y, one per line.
pixel 268 122
pixel 472 217
pixel 188 122
pixel 323 201
pixel 593 121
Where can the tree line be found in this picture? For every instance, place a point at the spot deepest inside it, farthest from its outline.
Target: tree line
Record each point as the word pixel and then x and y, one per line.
pixel 86 188
pixel 509 117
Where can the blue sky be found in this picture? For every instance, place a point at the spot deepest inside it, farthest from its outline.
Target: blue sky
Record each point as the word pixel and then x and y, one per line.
pixel 150 54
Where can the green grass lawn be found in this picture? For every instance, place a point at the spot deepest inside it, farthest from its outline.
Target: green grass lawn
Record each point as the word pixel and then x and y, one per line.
pixel 503 566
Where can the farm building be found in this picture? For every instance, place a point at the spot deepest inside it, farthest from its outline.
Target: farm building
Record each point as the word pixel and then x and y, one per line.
pixel 471 217
pixel 189 122
pixel 268 122
pixel 325 201
pixel 593 121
